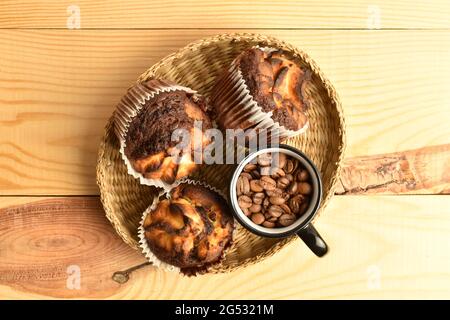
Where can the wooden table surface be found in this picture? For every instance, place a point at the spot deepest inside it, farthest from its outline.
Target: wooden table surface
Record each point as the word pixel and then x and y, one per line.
pixel 65 64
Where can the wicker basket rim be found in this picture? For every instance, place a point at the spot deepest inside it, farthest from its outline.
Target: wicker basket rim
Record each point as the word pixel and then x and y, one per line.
pixel 330 90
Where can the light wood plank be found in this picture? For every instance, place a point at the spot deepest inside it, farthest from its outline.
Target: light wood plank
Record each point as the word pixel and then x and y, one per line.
pixel 41 240
pixel 58 89
pixel 227 14
pixel 397 247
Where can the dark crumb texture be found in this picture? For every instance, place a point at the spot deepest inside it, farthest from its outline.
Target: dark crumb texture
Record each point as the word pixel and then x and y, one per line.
pixel 276 83
pixel 151 130
pixel 149 144
pixel 191 230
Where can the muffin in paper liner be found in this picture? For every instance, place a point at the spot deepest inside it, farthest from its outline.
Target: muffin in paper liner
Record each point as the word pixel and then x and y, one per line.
pixel 152 257
pixel 143 241
pixel 129 107
pixel 236 108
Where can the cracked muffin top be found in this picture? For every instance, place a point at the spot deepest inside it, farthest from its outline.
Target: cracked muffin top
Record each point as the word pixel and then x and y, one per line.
pixel 191 229
pixel 276 83
pixel 148 143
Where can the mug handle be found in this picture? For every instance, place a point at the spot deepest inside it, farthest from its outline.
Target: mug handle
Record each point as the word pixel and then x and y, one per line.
pixel 313 240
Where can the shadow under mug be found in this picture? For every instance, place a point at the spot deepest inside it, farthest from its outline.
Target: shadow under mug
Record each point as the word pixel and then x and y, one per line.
pixel 302 226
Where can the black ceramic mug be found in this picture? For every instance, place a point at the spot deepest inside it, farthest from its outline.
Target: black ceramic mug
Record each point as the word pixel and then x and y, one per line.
pixel 302 226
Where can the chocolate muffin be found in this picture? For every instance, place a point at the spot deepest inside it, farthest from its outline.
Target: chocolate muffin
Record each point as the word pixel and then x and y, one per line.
pixel 267 88
pixel 148 142
pixel 275 83
pixel 191 229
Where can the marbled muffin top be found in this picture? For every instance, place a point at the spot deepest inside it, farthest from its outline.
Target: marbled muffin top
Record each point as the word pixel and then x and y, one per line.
pixel 148 142
pixel 276 83
pixel 191 229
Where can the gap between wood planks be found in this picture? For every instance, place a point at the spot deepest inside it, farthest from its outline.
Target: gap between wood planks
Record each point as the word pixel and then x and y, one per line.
pixel 419 171
pixel 425 171
pixel 43 242
pixel 230 29
pixel 224 14
pixel 73 94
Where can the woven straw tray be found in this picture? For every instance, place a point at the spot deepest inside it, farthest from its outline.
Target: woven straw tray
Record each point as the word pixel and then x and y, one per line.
pixel 196 66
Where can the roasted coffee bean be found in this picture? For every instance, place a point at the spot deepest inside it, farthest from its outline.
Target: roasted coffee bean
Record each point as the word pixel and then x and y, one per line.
pixel 274 193
pixel 255 186
pixel 247 175
pixel 276 173
pixel 304 206
pixel 250 167
pixel 302 175
pixel 245 185
pixel 258 218
pixel 268 183
pixel 266 203
pixel 290 177
pixel 286 208
pixel 244 201
pixel 264 159
pixel 292 189
pixel 296 164
pixel 286 220
pixel 255 174
pixel 282 182
pixel 255 208
pixel 268 224
pixel 239 186
pixel 275 211
pixel 277 200
pixel 265 171
pixel 304 188
pixel 289 166
pixel 258 198
pixel 295 202
pixel 280 159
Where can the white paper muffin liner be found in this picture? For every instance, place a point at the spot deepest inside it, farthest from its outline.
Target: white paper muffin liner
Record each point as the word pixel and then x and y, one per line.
pixel 236 107
pixel 151 257
pixel 128 108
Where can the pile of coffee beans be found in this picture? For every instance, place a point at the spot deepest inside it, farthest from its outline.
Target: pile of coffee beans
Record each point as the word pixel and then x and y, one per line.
pixel 274 191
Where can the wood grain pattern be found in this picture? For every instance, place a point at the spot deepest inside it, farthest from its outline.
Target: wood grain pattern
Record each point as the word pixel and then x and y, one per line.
pixel 226 14
pixel 425 170
pixel 402 241
pixel 68 82
pixel 58 87
pixel 40 239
